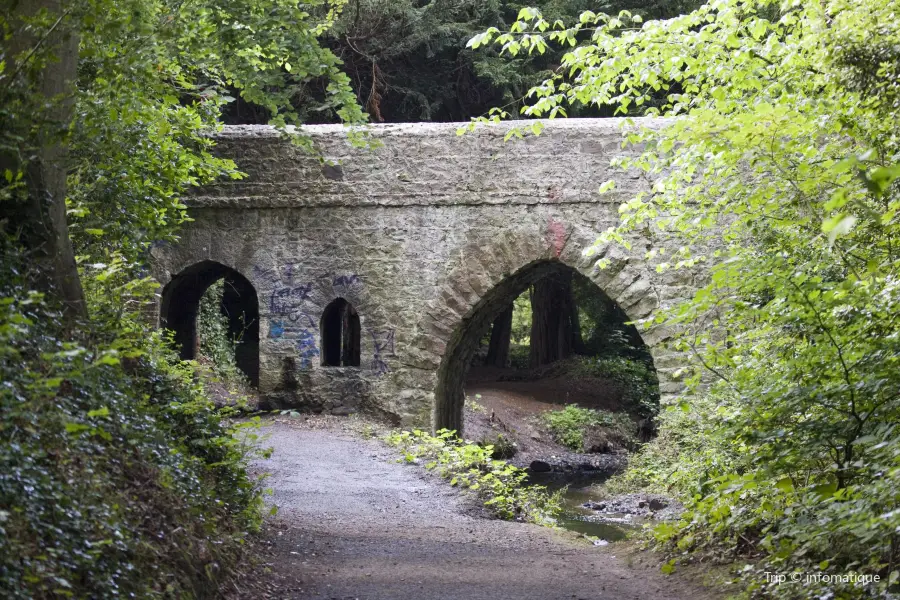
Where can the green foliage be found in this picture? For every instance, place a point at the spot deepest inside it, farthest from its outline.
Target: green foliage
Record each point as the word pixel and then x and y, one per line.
pixel 687 455
pixel 408 60
pixel 520 333
pixel 119 479
pixel 216 342
pixel 779 178
pixel 571 425
pixel 519 356
pixel 471 466
pixel 153 79
pixel 502 447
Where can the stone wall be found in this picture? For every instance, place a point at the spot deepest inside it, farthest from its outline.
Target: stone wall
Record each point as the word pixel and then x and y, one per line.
pixel 426 235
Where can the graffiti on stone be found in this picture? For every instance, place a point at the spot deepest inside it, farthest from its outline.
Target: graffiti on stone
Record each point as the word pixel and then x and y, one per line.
pixel 302 336
pixel 289 301
pixel 383 341
pixel 306 347
pixel 345 280
pixel 288 294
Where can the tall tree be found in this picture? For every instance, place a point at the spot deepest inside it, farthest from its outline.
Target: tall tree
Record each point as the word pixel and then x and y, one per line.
pixel 552 326
pixel 407 59
pixel 44 68
pixel 501 332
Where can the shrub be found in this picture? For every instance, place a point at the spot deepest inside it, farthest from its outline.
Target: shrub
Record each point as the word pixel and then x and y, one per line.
pixel 471 466
pixel 519 356
pixel 571 425
pixel 687 454
pixel 501 446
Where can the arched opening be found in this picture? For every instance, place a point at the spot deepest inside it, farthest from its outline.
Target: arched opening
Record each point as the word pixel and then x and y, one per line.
pixel 340 335
pixel 238 304
pixel 572 331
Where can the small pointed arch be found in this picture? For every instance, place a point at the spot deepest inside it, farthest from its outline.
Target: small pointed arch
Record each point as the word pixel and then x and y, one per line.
pixel 341 335
pixel 181 303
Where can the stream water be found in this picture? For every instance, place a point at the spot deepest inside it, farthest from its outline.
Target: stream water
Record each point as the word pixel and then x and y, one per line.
pixel 610 527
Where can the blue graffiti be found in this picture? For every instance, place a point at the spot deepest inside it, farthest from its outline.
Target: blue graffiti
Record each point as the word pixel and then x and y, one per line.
pixel 345 280
pixel 306 347
pixel 288 300
pixel 276 330
pixel 304 338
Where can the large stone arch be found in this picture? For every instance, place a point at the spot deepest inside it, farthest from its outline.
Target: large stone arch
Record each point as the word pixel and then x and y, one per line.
pixel 487 276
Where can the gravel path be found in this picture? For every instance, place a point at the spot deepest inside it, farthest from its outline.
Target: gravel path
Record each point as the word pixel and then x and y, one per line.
pixel 352 523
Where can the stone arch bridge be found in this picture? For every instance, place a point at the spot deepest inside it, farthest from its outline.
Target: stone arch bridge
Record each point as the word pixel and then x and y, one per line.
pixel 427 237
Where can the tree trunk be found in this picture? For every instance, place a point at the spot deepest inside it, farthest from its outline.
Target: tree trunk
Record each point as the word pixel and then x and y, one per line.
pixel 41 217
pixel 498 349
pixel 576 341
pixel 552 328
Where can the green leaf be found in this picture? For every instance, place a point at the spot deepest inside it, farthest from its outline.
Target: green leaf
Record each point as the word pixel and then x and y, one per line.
pixel 825 490
pixel 837 226
pixel 785 484
pixel 607 186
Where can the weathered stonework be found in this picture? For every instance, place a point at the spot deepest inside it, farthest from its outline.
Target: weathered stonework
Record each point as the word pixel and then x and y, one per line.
pixel 428 236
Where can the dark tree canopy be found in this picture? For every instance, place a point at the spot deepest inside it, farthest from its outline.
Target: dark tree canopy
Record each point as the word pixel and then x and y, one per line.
pixel 407 59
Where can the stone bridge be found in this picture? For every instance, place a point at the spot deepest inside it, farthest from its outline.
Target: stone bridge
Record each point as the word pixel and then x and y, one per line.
pixel 416 245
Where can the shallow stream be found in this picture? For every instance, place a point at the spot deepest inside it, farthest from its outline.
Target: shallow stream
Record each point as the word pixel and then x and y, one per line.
pixel 609 527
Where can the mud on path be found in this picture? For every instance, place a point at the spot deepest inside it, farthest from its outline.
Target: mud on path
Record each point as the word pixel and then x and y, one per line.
pixel 352 523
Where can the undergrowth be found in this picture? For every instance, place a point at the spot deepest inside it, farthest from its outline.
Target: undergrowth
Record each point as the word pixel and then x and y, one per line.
pixel 499 485
pixel 792 524
pixel 574 427
pixel 636 380
pixel 117 476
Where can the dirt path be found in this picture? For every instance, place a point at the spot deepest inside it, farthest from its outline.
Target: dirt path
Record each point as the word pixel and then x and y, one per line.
pixel 354 524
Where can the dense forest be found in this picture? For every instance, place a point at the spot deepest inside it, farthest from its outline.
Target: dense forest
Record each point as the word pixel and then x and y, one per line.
pixel 120 478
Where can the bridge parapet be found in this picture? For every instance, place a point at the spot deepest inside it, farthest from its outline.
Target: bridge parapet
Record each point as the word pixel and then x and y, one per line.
pixel 424 164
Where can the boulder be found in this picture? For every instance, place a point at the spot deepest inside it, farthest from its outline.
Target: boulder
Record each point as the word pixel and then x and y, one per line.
pixel 539 466
pixel 656 504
